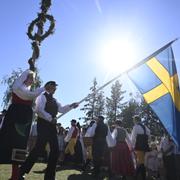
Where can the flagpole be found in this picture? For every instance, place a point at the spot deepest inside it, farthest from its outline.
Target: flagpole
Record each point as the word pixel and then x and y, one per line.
pixel 152 55
pixel 133 67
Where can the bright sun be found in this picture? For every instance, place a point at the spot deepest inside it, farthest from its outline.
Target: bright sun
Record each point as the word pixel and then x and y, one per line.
pixel 117 55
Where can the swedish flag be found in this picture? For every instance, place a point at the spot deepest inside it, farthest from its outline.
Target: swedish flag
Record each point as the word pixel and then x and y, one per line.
pixel 156 78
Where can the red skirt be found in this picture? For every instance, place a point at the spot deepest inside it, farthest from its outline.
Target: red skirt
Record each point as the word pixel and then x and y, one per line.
pixel 121 160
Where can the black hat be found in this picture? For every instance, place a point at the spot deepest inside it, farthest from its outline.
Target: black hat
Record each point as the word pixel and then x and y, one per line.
pixel 118 122
pixel 52 83
pixel 58 124
pixel 101 118
pixel 137 118
pixel 73 120
pixel 92 122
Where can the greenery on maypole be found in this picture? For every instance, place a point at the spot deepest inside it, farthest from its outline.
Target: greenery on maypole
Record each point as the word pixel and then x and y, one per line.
pixel 41 34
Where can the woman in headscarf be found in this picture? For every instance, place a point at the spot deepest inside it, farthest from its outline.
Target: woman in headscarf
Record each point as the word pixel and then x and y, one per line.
pixel 17 121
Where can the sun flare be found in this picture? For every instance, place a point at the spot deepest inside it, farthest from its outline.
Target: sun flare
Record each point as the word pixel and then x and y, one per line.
pixel 117 55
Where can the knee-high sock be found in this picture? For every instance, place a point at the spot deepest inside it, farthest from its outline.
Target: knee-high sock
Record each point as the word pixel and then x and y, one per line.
pixel 15 172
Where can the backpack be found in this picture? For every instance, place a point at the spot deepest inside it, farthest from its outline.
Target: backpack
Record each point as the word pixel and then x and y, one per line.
pixel 142 141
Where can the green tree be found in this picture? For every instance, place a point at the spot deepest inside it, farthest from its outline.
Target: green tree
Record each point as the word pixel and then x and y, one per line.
pixel 137 106
pixel 8 80
pixel 100 104
pixel 95 103
pixel 128 111
pixel 114 104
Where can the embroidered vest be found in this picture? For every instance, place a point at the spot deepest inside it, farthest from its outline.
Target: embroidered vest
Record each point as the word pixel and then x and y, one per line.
pixel 75 132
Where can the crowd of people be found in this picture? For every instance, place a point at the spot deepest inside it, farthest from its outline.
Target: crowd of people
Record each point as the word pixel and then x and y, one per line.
pixel 124 154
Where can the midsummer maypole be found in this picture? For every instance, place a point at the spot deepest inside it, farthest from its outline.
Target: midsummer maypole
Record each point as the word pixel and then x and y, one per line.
pixel 17 121
pixel 41 34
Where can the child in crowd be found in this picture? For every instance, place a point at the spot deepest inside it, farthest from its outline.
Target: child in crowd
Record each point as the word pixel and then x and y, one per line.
pixel 152 162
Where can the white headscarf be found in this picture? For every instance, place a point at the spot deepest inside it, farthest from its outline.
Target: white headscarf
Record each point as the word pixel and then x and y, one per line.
pixel 20 80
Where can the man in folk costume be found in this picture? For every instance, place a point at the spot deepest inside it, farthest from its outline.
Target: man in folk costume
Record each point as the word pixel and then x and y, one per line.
pixel 121 159
pixel 99 146
pixel 17 121
pixel 47 108
pixel 71 138
pixel 139 137
pixel 80 154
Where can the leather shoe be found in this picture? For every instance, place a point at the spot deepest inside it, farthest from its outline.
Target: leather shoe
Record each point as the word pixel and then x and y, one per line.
pixel 22 177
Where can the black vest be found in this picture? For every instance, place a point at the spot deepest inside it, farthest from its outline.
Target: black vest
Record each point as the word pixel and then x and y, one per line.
pixel 51 106
pixel 142 140
pixel 121 134
pixel 101 130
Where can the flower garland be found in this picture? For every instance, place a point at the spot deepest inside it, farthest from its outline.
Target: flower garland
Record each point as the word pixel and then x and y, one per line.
pixel 41 18
pixel 40 35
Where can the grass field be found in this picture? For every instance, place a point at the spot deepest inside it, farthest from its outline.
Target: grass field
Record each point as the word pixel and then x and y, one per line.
pixel 37 174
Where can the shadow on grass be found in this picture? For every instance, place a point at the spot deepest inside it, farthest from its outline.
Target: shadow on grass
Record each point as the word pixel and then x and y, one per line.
pixel 60 168
pixel 40 171
pixel 85 175
pixel 82 177
pixel 69 167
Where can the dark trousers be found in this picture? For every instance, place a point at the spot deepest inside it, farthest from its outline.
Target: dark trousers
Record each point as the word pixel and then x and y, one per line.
pixel 46 134
pixel 98 150
pixel 140 170
pixel 169 163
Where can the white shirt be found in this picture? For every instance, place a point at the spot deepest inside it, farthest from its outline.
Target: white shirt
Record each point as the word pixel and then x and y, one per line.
pixel 22 91
pixel 40 108
pixel 151 160
pixel 137 129
pixel 33 131
pixel 2 120
pixel 91 130
pixel 111 142
pixel 165 144
pixel 114 134
pixel 69 134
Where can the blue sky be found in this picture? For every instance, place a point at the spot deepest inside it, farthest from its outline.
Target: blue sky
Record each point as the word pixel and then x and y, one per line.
pixel 73 55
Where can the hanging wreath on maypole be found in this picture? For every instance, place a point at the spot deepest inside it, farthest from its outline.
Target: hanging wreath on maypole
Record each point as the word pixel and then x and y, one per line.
pixel 40 35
